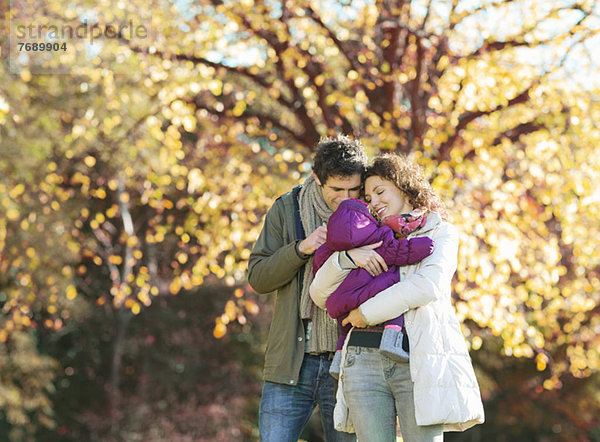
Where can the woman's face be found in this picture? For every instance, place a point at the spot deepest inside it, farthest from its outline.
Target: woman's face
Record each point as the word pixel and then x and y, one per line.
pixel 385 198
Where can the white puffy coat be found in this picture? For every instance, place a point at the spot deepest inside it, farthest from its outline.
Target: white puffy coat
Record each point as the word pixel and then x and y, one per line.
pixel 445 387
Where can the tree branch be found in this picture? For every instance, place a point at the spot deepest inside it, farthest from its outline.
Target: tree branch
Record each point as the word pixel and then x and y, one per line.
pixel 489 46
pixel 465 14
pixel 415 89
pixel 313 69
pixel 338 43
pixel 299 103
pixel 303 139
pixel 467 117
pixel 427 14
pixel 239 70
pixel 514 134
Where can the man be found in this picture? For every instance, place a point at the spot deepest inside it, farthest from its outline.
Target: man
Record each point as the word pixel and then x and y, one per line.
pixel 302 338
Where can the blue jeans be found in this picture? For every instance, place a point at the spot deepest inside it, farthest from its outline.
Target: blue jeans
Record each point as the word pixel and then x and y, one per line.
pixel 377 389
pixel 285 409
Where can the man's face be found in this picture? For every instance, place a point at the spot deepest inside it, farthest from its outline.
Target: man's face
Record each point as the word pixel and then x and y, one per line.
pixel 339 188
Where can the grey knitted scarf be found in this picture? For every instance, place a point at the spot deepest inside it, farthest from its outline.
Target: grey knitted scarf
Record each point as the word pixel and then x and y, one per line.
pixel 314 213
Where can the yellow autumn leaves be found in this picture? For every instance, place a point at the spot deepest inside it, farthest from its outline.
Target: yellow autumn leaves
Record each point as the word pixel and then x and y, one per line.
pixel 234 311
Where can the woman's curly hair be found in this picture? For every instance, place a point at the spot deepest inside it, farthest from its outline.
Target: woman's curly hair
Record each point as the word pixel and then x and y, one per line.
pixel 408 177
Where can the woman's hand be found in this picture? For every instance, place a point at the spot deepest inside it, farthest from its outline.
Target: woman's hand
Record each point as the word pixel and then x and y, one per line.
pixel 367 258
pixel 355 318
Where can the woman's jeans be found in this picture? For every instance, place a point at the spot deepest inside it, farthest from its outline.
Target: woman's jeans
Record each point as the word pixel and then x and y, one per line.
pixel 377 389
pixel 285 409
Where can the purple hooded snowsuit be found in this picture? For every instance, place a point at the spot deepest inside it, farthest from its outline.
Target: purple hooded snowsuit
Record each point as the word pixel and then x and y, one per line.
pixel 350 226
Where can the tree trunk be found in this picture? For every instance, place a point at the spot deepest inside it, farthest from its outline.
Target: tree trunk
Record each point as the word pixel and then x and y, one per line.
pixel 123 317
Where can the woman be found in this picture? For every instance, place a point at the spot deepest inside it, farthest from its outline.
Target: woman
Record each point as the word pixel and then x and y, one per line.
pixel 436 389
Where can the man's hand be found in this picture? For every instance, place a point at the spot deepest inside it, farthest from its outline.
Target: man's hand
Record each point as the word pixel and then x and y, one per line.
pixel 312 242
pixel 367 258
pixel 355 318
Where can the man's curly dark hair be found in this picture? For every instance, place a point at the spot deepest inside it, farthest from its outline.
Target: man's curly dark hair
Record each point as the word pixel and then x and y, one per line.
pixel 409 178
pixel 339 156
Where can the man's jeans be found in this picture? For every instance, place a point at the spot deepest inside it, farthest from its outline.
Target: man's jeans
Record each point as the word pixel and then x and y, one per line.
pixel 285 409
pixel 376 389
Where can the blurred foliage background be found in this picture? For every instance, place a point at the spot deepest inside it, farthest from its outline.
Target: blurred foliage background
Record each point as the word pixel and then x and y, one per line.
pixel 138 166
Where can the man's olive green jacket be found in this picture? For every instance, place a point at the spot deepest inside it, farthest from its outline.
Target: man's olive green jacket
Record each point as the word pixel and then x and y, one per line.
pixel 276 267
